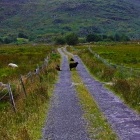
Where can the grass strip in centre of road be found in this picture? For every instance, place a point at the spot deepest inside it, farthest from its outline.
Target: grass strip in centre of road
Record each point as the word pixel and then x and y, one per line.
pixel 97 125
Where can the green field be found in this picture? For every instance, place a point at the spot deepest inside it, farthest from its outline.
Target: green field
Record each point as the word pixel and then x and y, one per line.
pixel 124 79
pixel 27 57
pixel 31 110
pixel 120 54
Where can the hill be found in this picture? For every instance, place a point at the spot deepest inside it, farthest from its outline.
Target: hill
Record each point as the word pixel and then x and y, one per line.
pixel 39 17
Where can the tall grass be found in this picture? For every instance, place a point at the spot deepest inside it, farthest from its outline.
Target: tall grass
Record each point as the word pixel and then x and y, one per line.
pixel 125 86
pixel 126 54
pixel 26 57
pixel 28 121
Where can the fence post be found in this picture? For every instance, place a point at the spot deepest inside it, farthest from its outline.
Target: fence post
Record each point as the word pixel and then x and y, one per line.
pixel 11 97
pixel 23 86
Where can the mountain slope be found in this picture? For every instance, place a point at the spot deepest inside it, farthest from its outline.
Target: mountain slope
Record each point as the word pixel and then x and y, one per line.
pixel 36 17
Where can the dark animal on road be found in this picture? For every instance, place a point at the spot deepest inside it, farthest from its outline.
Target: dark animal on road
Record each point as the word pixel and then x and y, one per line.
pixel 71 59
pixel 73 65
pixel 57 68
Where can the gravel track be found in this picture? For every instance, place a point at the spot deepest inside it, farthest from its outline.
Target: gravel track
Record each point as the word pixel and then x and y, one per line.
pixel 65 121
pixel 124 121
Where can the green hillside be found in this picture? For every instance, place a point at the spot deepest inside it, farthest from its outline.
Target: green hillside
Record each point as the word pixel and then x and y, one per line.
pixel 38 17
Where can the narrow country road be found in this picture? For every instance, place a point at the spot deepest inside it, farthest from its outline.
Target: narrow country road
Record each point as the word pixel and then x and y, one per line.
pixel 65 121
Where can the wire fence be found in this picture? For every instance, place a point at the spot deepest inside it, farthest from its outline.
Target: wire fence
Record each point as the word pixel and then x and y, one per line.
pixel 7 87
pixel 3 95
pixel 129 71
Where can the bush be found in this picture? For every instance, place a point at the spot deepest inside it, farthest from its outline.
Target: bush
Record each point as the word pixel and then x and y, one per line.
pixel 121 37
pixel 123 86
pixel 9 39
pixel 72 39
pixel 82 40
pixel 60 41
pixel 108 74
pixel 22 41
pixel 1 40
pixel 93 37
pixel 22 35
pixel 135 93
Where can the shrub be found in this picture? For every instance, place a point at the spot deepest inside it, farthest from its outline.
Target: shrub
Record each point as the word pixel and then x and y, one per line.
pixel 93 37
pixel 108 74
pixel 22 35
pixel 1 40
pixel 22 41
pixel 60 41
pixel 122 86
pixel 82 40
pixel 135 94
pixel 9 39
pixel 72 39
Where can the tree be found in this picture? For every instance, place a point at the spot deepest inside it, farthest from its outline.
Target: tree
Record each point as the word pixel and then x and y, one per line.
pixel 22 35
pixel 71 39
pixel 111 38
pixel 90 38
pixel 117 37
pixel 104 37
pixel 6 40
pixel 9 39
pixel 93 37
pixel 1 40
pixel 60 41
pixel 124 38
pixel 121 37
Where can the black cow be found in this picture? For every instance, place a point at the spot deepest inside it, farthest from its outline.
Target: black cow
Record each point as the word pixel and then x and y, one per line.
pixel 73 65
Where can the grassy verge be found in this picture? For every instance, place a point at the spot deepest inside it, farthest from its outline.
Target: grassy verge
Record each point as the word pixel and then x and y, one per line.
pixel 126 87
pixel 98 126
pixel 28 121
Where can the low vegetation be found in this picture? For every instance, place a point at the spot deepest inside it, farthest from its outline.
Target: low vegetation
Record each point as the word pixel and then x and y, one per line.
pixel 126 54
pixel 27 57
pixel 31 111
pixel 123 83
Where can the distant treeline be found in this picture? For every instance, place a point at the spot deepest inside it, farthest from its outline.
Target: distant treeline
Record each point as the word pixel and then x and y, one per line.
pixel 61 39
pixel 21 38
pixel 73 39
pixel 116 37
